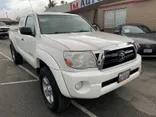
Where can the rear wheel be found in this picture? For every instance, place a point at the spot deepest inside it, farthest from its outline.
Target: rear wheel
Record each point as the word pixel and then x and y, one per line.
pixel 51 93
pixel 16 57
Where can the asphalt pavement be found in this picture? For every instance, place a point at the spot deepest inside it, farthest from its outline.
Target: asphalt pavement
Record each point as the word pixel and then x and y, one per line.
pixel 20 94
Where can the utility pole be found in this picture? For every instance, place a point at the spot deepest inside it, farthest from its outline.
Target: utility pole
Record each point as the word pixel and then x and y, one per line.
pixel 6 14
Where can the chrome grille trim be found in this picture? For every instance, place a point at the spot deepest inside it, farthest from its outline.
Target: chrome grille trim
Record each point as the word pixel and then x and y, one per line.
pixel 103 58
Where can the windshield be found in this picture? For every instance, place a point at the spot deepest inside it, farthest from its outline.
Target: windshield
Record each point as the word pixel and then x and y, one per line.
pixel 2 24
pixel 136 29
pixel 145 29
pixel 54 24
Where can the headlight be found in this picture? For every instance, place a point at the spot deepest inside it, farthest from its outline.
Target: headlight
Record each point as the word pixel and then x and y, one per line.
pixel 137 46
pixel 80 60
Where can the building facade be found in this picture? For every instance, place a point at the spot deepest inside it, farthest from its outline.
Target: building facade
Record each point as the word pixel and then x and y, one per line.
pixel 108 14
pixel 138 11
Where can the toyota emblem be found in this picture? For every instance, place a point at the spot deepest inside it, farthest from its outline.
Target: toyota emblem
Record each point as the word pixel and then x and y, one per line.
pixel 148 46
pixel 121 55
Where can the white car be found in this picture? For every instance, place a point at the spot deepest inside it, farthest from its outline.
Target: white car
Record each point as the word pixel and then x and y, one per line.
pixel 72 59
pixel 3 29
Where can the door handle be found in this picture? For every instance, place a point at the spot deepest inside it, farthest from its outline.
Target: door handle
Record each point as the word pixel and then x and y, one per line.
pixel 22 39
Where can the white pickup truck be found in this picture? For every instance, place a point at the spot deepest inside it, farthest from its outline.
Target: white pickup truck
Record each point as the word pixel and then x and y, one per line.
pixel 73 60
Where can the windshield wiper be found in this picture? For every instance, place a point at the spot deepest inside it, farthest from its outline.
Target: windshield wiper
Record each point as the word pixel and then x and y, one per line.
pixel 72 31
pixel 82 31
pixel 60 32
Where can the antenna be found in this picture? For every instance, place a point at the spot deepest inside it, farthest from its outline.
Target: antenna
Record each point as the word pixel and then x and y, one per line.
pixel 31 6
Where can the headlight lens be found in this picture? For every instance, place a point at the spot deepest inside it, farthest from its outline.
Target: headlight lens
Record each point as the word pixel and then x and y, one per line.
pixel 80 60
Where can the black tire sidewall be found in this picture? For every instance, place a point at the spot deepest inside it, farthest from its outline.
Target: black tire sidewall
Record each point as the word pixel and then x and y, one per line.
pixel 18 58
pixel 46 72
pixel 13 50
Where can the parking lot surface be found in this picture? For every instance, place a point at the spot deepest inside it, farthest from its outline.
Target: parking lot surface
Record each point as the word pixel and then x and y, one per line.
pixel 20 94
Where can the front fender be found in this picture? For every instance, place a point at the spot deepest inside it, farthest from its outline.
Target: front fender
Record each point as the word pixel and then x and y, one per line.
pixel 55 69
pixel 46 58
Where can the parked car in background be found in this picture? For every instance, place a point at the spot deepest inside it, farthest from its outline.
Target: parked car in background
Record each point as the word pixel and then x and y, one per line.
pixel 142 35
pixel 4 29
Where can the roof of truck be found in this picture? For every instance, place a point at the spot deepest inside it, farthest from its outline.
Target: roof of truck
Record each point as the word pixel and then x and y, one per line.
pixel 53 13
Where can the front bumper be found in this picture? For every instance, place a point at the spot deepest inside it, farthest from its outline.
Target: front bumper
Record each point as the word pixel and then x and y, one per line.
pixel 93 80
pixel 148 56
pixel 144 47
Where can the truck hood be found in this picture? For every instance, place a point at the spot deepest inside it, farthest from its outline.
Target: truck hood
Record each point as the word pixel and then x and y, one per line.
pixel 87 40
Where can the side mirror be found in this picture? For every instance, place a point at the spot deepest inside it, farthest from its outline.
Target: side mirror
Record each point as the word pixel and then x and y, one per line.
pixel 117 32
pixel 154 31
pixel 96 27
pixel 26 31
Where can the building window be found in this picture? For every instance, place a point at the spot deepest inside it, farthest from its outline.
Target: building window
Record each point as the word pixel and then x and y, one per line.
pixel 114 18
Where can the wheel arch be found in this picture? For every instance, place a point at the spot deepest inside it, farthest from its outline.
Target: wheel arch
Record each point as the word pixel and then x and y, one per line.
pixel 45 60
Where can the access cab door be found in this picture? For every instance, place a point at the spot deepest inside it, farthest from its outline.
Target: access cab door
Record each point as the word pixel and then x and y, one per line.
pixel 19 36
pixel 28 42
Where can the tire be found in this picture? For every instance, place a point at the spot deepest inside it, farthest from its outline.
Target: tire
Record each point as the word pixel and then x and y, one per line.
pixel 57 102
pixel 16 57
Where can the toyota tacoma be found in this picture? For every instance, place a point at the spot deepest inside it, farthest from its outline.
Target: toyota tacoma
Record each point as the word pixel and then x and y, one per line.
pixel 73 60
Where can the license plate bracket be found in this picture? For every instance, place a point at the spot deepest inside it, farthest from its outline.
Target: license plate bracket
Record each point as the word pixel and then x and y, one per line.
pixel 124 76
pixel 148 50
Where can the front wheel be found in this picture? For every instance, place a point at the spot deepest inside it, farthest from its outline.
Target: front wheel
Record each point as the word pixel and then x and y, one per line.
pixel 16 57
pixel 51 93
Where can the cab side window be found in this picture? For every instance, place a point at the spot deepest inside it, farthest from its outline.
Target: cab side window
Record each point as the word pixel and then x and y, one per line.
pixel 31 23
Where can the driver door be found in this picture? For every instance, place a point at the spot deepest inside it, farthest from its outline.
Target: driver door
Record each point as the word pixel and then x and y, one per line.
pixel 28 41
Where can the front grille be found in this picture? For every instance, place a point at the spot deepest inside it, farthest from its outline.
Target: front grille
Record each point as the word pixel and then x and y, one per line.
pixel 116 57
pixel 4 30
pixel 147 46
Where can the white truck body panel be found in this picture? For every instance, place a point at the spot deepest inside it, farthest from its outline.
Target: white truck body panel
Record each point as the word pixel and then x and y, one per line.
pixel 50 49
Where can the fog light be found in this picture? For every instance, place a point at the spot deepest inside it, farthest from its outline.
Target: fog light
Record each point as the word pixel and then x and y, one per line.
pixel 79 85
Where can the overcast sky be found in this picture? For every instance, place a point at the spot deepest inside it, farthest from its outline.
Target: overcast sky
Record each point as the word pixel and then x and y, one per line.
pixel 16 8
